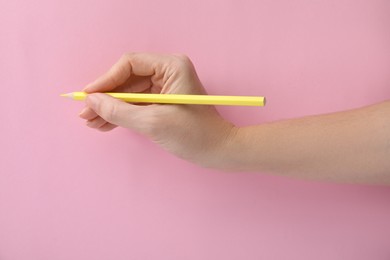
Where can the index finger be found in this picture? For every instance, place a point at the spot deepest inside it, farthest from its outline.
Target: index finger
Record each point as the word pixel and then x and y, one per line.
pixel 140 64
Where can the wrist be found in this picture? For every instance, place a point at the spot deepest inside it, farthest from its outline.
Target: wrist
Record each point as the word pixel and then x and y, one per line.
pixel 222 155
pixel 232 150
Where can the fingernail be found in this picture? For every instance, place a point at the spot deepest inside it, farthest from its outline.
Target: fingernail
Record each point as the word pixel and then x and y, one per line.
pixel 85 89
pixel 83 111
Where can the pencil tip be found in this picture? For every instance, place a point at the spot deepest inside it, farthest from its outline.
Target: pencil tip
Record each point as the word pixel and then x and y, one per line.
pixel 65 95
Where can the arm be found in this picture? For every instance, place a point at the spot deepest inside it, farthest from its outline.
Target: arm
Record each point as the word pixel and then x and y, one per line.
pixel 349 146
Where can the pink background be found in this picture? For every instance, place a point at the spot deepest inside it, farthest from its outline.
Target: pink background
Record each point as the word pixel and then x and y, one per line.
pixel 70 192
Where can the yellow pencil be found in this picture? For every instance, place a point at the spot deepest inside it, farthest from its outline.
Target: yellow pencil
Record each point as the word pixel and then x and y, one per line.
pixel 179 99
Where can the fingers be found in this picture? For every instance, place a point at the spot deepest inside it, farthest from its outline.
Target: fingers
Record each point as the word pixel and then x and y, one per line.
pixel 114 77
pixel 104 127
pixel 88 114
pixel 140 64
pixel 161 68
pixel 100 124
pixel 113 111
pixel 95 121
pixel 107 127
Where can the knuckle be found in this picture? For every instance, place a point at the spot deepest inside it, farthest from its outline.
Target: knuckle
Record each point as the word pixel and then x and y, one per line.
pixel 127 55
pixel 183 60
pixel 124 58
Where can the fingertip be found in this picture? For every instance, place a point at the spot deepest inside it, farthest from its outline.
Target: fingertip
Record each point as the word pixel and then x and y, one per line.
pixel 88 113
pixel 96 122
pixel 95 86
pixel 83 111
pixel 87 88
pixel 90 88
pixel 107 127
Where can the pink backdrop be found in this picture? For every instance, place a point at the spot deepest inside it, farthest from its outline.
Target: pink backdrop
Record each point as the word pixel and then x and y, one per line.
pixel 69 192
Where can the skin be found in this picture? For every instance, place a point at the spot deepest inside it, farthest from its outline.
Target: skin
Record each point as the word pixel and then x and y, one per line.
pixel 349 146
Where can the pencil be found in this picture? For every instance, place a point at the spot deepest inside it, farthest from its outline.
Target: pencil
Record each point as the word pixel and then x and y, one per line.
pixel 179 99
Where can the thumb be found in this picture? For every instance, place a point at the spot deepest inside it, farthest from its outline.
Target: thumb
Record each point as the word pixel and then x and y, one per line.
pixel 113 110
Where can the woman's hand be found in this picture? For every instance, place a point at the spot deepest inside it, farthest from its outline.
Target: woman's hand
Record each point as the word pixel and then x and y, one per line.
pixel 348 146
pixel 193 132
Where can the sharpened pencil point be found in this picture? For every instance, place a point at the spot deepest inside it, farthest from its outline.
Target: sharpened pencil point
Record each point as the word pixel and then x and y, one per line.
pixel 66 95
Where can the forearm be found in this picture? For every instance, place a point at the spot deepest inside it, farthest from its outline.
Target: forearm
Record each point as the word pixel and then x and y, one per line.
pixel 351 146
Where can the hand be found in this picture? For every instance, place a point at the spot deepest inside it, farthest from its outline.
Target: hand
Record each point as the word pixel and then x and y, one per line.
pixel 193 132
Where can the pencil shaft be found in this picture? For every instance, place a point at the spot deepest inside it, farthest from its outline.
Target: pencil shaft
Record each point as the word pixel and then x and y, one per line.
pixel 181 99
